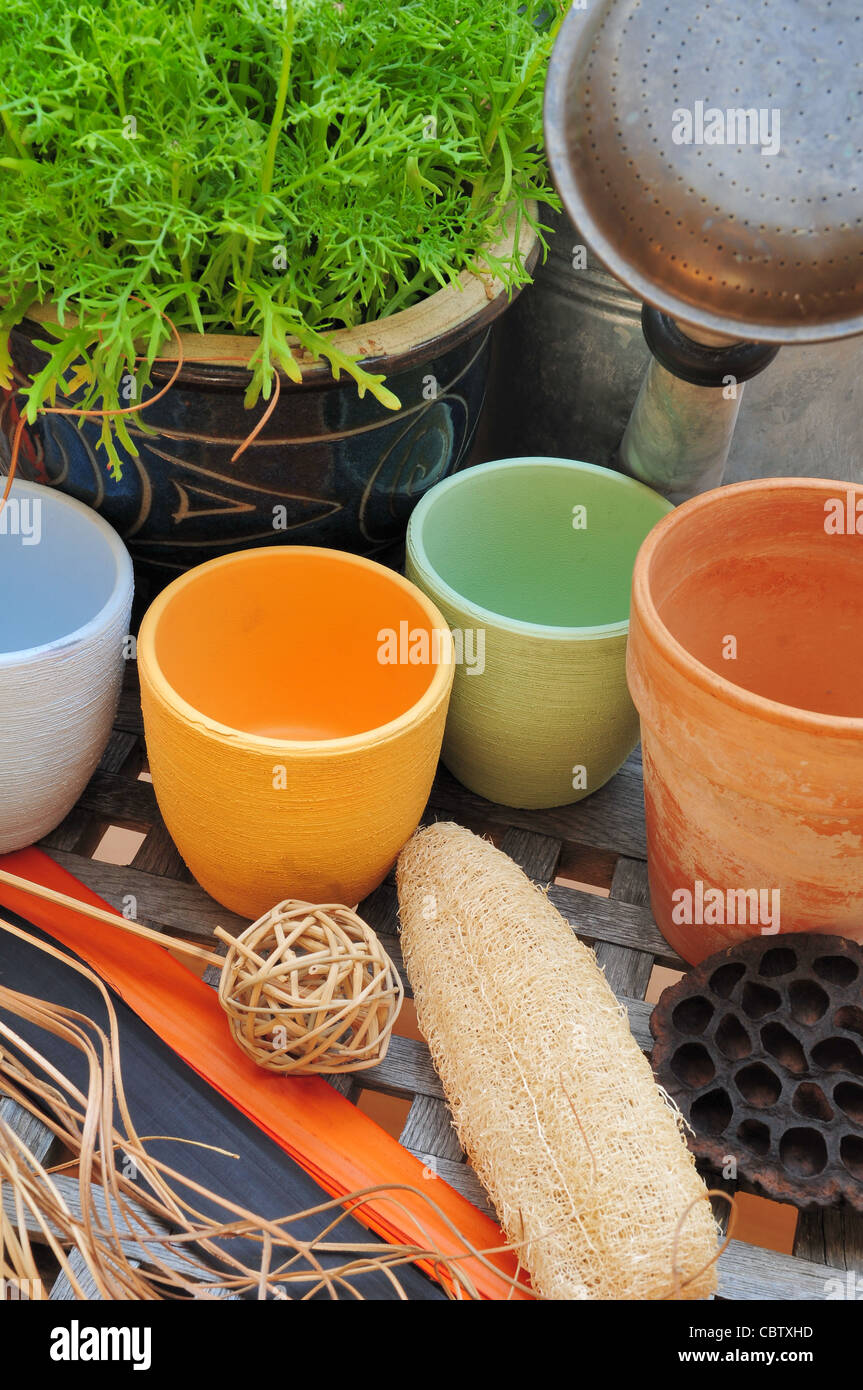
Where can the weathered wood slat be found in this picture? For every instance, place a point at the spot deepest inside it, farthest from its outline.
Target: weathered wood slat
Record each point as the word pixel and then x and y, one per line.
pixel 429 1129
pixel 79 833
pixel 831 1237
pixel 406 1071
pixel 612 818
pixel 120 800
pixel 162 903
pixel 538 855
pixel 639 1021
pixel 132 1247
pixel 159 855
pixel 629 884
pixel 458 1175
pixel 212 976
pixel 607 919
pixel 33 1134
pixel 628 971
pixel 129 717
pixel 349 1086
pixel 118 750
pixel 62 1290
pixel 751 1274
pixel 381 909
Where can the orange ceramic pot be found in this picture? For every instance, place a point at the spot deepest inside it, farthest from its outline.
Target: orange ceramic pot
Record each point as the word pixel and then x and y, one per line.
pixel 294 703
pixel 745 662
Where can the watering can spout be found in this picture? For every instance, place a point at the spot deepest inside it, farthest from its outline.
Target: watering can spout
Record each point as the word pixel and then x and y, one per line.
pixel 680 430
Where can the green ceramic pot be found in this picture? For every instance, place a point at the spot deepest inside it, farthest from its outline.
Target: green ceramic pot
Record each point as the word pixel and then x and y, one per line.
pixel 530 560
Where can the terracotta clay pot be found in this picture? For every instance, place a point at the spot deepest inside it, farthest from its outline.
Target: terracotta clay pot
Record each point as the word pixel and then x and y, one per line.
pixel 745 662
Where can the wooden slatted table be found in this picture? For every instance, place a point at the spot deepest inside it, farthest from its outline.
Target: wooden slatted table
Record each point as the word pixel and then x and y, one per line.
pixel 605 830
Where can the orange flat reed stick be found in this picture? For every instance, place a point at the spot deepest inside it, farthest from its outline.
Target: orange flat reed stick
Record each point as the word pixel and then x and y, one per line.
pixel 113 919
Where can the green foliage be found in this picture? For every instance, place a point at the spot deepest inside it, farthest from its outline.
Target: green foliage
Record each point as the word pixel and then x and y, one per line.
pixel 271 167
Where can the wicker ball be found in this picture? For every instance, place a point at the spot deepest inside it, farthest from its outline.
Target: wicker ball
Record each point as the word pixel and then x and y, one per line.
pixel 310 990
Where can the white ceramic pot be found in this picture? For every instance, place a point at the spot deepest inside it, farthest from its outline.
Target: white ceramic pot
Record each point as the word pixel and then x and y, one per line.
pixel 65 599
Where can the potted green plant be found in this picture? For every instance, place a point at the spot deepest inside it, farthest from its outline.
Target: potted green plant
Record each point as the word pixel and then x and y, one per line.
pixel 325 193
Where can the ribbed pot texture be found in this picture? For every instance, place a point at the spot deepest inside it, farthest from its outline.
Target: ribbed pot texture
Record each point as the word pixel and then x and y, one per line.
pixel 745 661
pixel 530 561
pixel 65 598
pixel 288 758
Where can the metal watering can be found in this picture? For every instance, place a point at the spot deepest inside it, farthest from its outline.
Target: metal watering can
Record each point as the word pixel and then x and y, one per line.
pixel 711 165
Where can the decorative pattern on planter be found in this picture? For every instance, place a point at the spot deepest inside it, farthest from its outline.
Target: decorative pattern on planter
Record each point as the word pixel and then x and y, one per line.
pixel 328 468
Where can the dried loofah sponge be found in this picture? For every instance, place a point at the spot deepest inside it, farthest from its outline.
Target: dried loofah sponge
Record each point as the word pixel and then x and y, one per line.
pixel 582 1154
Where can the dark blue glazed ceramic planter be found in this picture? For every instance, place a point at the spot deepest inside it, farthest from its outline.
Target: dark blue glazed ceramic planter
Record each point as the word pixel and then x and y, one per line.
pixel 328 468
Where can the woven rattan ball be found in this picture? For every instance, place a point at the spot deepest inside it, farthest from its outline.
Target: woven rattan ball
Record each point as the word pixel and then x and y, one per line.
pixel 308 989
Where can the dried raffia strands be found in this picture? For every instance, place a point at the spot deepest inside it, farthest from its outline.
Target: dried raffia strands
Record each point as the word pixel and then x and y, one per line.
pixel 315 971
pixel 341 1148
pixel 150 1241
pixel 582 1154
